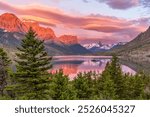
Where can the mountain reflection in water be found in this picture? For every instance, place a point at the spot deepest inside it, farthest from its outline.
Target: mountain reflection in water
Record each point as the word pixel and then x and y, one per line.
pixel 72 65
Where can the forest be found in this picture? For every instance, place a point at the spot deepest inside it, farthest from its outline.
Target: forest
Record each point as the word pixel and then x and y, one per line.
pixel 31 80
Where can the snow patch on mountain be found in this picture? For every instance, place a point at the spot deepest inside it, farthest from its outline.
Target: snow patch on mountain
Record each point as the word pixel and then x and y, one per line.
pixel 95 47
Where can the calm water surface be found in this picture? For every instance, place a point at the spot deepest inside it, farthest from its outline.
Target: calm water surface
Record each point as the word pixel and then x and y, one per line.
pixel 72 65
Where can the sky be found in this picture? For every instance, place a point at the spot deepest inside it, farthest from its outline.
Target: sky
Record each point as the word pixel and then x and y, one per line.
pixel 108 21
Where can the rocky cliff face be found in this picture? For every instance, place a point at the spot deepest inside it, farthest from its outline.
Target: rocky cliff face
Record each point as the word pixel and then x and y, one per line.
pixel 137 44
pixel 12 30
pixel 68 39
pixel 11 23
pixel 136 51
pixel 43 33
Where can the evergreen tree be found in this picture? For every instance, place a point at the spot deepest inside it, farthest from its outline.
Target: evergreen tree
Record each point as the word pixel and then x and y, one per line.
pixel 90 76
pixel 4 63
pixel 98 87
pixel 129 87
pixel 116 75
pixel 83 85
pixel 134 87
pixel 115 69
pixel 31 77
pixel 139 87
pixel 108 90
pixel 60 87
pixel 96 84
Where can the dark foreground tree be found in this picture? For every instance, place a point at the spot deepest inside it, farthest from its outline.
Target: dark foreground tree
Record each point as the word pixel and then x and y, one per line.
pixel 107 85
pixel 60 87
pixel 4 63
pixel 84 86
pixel 115 72
pixel 31 78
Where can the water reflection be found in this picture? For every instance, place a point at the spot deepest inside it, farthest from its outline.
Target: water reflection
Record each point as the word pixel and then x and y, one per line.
pixel 72 65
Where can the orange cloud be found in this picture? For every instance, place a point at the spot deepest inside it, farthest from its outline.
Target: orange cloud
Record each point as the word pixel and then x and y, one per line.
pixel 59 17
pixel 106 29
pixel 81 24
pixel 43 21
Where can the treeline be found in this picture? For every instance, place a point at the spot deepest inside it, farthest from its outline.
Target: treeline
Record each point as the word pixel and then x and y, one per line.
pixel 31 81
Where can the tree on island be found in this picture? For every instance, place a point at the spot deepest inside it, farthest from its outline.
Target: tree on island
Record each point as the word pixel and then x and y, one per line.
pixel 31 76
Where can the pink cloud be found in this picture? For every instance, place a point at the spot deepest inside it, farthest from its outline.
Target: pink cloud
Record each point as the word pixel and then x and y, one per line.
pixel 59 17
pixel 105 29
pixel 95 25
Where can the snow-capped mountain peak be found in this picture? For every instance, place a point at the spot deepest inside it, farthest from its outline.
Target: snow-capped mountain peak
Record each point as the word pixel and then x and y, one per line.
pixel 95 47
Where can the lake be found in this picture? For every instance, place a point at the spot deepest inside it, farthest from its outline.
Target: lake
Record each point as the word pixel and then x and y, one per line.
pixel 72 65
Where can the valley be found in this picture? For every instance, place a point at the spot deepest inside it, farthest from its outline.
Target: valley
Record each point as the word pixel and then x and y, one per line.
pixel 12 31
pixel 75 50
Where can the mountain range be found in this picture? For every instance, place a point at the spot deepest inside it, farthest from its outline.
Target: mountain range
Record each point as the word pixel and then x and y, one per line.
pixel 100 47
pixel 13 29
pixel 139 45
pixel 136 51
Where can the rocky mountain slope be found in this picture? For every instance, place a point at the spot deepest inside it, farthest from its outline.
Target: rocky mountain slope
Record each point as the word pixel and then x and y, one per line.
pixel 68 39
pixel 12 23
pixel 43 33
pixel 12 30
pixel 136 51
pixel 140 43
